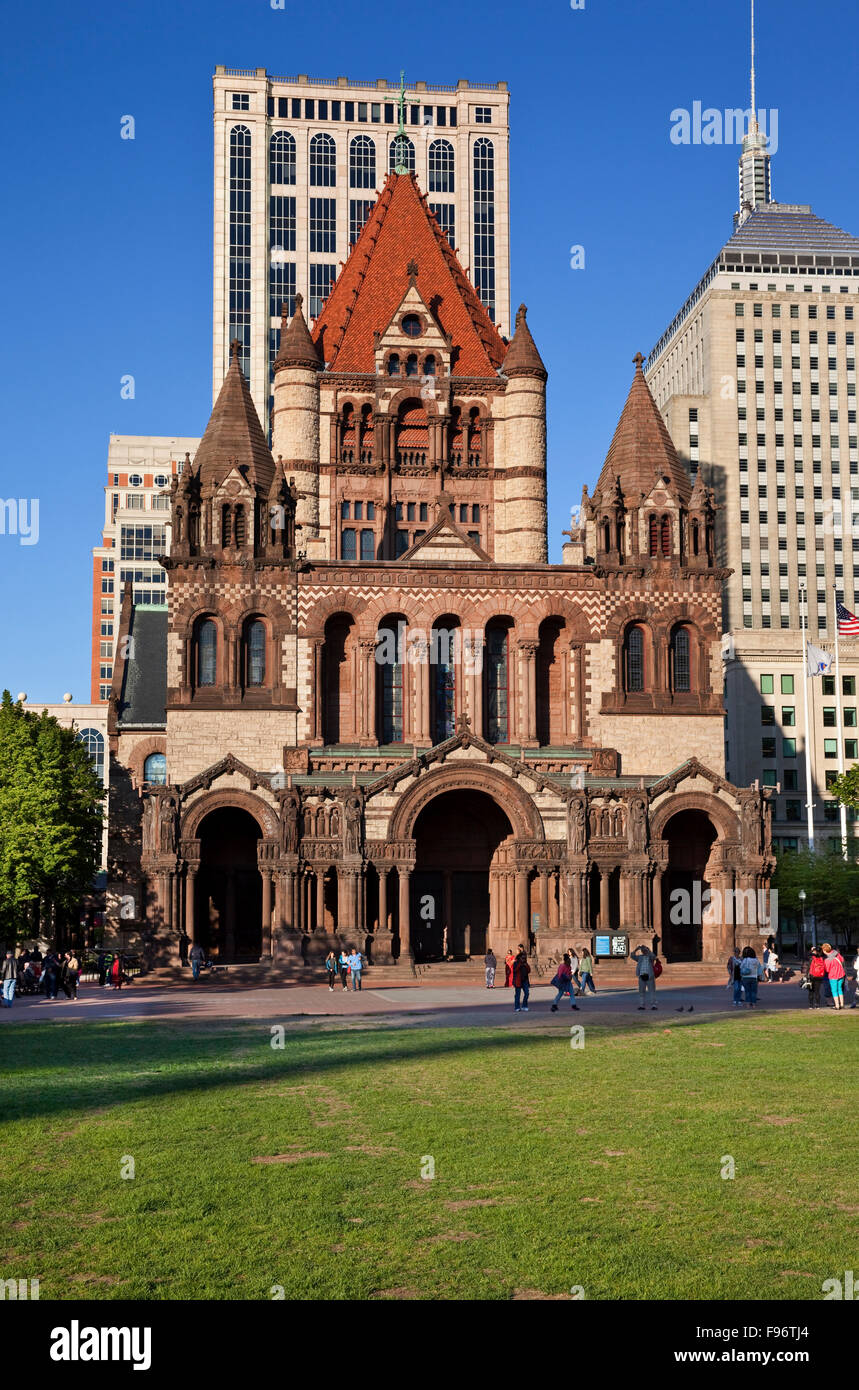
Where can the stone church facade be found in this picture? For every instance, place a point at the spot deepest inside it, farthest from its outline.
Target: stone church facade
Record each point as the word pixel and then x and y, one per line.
pixel 373 713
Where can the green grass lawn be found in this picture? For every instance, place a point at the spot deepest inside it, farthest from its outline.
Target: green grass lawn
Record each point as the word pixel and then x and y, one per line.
pixel 554 1167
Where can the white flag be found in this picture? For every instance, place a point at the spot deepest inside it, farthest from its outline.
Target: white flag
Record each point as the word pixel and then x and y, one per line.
pixel 818 663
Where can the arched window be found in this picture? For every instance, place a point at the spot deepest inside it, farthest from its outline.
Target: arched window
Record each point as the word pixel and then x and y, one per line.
pixel 633 660
pixel 681 661
pixel 207 652
pixel 226 524
pixel 606 533
pixel 240 531
pixel 394 364
pixel 444 658
pixel 401 152
pixel 362 162
pixel 93 742
pixel 389 683
pixel 323 162
pixel 441 166
pixel 696 542
pixel 368 544
pixel 429 365
pixel 653 536
pixel 281 157
pixel 666 535
pixel 483 189
pixel 412 364
pixel 255 643
pixel 348 544
pixel 155 769
pixel 497 684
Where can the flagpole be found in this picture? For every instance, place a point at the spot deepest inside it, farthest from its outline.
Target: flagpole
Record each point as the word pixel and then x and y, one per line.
pixel 809 806
pixel 840 730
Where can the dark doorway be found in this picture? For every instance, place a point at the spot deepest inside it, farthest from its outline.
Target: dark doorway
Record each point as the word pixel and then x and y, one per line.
pixel 690 836
pixel 456 836
pixel 228 897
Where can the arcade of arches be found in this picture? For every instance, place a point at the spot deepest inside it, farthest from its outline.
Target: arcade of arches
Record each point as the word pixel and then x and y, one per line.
pixel 459 861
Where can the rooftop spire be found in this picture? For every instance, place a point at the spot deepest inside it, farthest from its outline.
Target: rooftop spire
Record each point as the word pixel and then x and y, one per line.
pixel 400 161
pixel 755 188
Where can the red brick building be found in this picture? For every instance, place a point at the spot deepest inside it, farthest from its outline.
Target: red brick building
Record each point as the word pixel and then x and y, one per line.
pixel 386 718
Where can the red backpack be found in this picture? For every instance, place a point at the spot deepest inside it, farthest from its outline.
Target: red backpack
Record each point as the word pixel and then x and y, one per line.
pixel 657 967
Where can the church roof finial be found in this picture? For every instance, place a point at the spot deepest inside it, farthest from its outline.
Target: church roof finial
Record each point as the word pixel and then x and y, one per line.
pixel 401 142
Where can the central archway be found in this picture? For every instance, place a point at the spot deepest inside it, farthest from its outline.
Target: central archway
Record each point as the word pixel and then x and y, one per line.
pixel 228 894
pixel 690 835
pixel 456 837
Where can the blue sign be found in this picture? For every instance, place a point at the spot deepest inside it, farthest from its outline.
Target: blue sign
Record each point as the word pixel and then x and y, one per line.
pixel 602 946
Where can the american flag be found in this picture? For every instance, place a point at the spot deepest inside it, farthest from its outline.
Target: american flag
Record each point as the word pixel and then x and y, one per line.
pixel 848 623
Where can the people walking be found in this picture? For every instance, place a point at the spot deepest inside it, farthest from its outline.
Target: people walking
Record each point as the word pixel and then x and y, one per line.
pixel 331 969
pixel 356 965
pixel 574 968
pixel 646 975
pixel 833 964
pixel 9 976
pixel 751 971
pixel 196 956
pixel 586 972
pixel 564 983
pixel 521 981
pixel 70 975
pixel 491 965
pixel 344 969
pixel 116 972
pixel 509 961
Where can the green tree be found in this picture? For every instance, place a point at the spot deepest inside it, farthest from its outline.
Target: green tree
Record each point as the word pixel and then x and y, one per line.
pixel 846 787
pixel 831 885
pixel 50 822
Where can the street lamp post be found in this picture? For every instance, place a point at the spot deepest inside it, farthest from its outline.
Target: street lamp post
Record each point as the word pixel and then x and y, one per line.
pixel 802 905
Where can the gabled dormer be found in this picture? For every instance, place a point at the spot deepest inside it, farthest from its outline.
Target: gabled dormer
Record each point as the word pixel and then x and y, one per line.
pixel 412 347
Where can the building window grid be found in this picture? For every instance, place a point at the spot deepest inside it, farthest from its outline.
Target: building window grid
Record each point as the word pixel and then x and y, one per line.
pixel 483 157
pixel 240 243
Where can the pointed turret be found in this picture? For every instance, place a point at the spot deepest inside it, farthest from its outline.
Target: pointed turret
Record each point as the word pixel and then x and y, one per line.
pixel 642 450
pixel 234 435
pixel 297 348
pixel 522 357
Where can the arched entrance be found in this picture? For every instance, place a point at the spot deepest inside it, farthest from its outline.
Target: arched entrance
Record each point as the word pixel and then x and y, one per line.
pixel 228 895
pixel 690 835
pixel 456 836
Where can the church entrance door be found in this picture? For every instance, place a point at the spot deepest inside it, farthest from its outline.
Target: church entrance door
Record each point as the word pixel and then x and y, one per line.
pixel 228 897
pixel 456 837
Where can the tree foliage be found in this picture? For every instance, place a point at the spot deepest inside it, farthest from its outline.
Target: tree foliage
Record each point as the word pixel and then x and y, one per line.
pixel 50 820
pixel 846 787
pixel 830 882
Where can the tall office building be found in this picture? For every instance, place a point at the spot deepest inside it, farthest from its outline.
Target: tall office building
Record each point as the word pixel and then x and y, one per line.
pixel 298 166
pixel 136 531
pixel 756 381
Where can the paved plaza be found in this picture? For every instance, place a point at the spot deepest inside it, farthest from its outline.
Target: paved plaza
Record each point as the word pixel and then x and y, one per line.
pixel 439 1006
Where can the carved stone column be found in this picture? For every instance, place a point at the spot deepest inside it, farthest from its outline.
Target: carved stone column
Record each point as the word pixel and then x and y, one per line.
pixel 266 913
pixel 404 874
pixel 366 694
pixel 317 692
pixel 578 709
pixel 527 722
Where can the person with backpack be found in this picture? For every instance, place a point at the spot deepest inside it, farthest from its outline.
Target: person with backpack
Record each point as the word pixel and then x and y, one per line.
pixel 521 981
pixel 751 971
pixel 735 977
pixel 563 982
pixel 586 972
pixel 646 975
pixel 816 974
pixel 833 965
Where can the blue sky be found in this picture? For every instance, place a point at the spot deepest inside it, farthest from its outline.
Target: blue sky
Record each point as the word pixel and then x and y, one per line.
pixel 107 242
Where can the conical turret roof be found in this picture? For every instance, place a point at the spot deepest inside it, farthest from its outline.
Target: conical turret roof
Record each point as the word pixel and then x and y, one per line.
pixel 522 357
pixel 642 450
pixel 234 436
pixel 297 348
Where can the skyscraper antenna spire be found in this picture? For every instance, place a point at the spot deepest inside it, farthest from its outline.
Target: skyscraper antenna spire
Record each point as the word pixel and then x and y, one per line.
pixel 754 117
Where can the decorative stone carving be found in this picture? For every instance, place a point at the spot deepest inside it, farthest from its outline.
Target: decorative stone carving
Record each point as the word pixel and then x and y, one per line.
pixel 289 817
pixel 578 833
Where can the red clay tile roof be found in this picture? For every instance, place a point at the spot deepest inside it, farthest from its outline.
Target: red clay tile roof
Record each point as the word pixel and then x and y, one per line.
pixel 234 436
pixel 642 447
pixel 374 280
